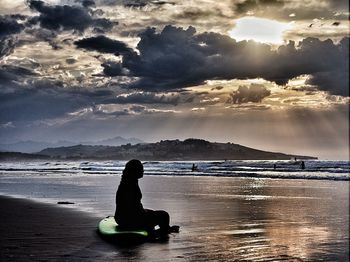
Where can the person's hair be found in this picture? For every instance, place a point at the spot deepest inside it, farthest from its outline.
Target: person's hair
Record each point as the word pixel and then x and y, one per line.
pixel 133 169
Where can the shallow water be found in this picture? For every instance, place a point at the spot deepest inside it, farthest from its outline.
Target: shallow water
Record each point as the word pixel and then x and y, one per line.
pixel 221 218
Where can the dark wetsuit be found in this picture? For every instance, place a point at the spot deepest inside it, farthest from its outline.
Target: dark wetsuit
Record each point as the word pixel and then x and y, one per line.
pixel 128 201
pixel 130 212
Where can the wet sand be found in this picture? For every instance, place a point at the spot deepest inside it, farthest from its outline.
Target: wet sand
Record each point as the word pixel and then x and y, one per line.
pixel 32 231
pixel 221 219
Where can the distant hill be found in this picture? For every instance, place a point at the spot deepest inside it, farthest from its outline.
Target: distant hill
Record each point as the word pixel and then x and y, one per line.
pixel 35 146
pixel 115 141
pixel 190 149
pixel 13 156
pixel 32 146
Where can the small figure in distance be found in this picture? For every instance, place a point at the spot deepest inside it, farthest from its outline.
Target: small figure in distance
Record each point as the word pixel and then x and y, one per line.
pixel 274 166
pixel 302 165
pixel 194 167
pixel 130 213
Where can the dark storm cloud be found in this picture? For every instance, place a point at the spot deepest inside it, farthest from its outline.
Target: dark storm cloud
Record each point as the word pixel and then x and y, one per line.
pixel 336 81
pixel 9 27
pixel 255 93
pixel 11 76
pixel 136 3
pixel 176 58
pixel 7 46
pixel 104 45
pixel 327 63
pixel 168 60
pixel 17 71
pixel 66 17
pixel 111 68
pixel 88 3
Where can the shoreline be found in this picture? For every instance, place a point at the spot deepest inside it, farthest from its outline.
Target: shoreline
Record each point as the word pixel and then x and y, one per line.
pixel 33 231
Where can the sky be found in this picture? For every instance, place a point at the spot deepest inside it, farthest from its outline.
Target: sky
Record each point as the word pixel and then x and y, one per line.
pixel 269 74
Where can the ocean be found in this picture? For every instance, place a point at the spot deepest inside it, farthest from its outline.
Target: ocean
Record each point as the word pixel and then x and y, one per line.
pixel 314 169
pixel 227 210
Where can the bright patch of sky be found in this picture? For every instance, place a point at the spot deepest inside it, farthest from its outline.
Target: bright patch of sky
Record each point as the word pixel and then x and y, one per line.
pixel 260 30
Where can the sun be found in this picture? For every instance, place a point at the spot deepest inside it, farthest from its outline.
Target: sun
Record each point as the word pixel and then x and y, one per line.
pixel 259 29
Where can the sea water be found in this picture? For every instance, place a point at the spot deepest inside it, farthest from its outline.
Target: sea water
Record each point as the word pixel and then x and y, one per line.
pixel 314 169
pixel 227 210
pixel 92 184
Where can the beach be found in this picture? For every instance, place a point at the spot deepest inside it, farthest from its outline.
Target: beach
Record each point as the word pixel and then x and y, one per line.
pixel 221 218
pixel 33 231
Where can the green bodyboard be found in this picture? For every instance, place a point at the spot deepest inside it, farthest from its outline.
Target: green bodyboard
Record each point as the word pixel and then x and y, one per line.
pixel 109 228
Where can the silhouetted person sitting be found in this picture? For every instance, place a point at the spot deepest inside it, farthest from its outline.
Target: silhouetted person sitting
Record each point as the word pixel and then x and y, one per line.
pixel 129 211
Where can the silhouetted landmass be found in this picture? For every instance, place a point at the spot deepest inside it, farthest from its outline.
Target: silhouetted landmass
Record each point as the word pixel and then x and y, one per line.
pixel 190 149
pixel 12 156
pixel 30 146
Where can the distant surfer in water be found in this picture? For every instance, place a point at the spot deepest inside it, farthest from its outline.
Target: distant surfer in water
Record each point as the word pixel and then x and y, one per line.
pixel 129 211
pixel 194 168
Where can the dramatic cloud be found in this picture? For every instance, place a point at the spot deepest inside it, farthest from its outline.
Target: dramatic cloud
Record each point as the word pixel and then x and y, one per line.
pixel 88 3
pixel 7 46
pixel 67 71
pixel 255 93
pixel 168 60
pixel 16 71
pixel 332 62
pixel 134 3
pixel 147 98
pixel 176 58
pixel 104 45
pixel 293 10
pixel 39 99
pixel 66 17
pixel 12 76
pixel 254 5
pixel 111 68
pixel 9 26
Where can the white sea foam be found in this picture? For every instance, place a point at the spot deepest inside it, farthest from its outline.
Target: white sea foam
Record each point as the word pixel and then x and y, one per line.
pixel 328 170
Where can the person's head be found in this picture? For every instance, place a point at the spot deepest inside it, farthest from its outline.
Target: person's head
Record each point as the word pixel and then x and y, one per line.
pixel 133 169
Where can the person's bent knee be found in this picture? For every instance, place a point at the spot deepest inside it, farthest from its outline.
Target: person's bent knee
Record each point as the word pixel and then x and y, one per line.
pixel 163 213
